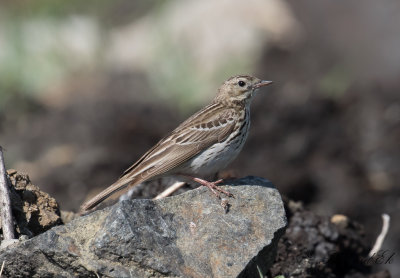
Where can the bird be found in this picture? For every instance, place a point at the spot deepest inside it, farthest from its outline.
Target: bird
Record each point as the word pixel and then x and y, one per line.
pixel 200 146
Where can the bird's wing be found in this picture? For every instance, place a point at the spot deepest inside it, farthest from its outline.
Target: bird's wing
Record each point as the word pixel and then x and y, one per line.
pixel 210 125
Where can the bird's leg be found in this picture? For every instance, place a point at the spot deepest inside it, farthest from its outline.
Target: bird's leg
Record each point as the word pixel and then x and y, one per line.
pixel 212 186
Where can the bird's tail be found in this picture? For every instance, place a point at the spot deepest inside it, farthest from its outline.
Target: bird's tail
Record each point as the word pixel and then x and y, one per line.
pixel 117 186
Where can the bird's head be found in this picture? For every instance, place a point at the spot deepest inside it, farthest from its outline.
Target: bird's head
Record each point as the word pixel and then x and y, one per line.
pixel 240 88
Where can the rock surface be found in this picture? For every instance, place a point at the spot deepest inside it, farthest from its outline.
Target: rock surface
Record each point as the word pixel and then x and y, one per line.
pixel 188 235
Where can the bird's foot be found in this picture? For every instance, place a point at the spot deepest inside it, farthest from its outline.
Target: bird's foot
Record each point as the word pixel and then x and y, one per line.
pixel 213 187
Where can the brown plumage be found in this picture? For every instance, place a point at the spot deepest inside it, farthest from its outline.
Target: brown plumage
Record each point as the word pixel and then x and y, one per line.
pixel 202 145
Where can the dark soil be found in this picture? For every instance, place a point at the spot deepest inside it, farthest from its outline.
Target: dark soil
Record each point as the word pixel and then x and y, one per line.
pixel 317 246
pixel 34 211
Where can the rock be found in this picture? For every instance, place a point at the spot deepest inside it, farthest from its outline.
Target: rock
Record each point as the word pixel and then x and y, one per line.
pixel 7 242
pixel 34 211
pixel 68 216
pixel 340 220
pixel 188 235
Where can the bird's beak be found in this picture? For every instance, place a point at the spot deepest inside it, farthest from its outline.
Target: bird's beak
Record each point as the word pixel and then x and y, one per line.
pixel 262 83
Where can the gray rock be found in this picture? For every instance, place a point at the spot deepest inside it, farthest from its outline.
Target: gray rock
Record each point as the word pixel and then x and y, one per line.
pixel 188 235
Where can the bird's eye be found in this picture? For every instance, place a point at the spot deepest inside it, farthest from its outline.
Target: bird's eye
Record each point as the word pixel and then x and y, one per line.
pixel 241 83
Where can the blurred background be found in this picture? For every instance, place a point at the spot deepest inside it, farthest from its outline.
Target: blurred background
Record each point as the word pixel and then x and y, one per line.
pixel 87 87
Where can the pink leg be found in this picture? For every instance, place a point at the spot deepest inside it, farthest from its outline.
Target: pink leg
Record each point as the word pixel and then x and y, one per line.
pixel 212 186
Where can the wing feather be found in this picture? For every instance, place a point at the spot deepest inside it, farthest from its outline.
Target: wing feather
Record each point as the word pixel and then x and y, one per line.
pixel 210 125
pixel 176 151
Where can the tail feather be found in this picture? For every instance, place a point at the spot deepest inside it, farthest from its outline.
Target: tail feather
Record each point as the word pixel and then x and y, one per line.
pixel 117 186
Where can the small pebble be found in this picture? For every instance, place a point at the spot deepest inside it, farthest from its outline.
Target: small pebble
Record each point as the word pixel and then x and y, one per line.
pixel 340 220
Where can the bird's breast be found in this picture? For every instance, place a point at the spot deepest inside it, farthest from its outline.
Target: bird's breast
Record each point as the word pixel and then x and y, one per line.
pixel 219 155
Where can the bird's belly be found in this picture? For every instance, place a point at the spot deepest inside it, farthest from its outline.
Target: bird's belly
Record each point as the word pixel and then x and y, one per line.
pixel 216 157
